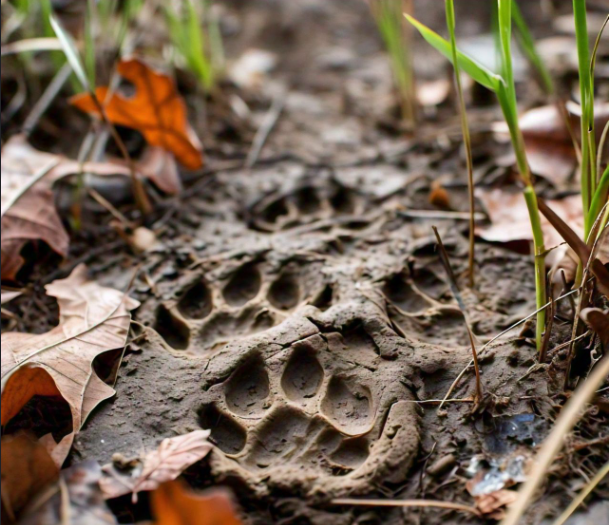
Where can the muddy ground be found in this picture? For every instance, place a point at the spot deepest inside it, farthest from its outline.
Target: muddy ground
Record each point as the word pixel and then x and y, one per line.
pixel 299 309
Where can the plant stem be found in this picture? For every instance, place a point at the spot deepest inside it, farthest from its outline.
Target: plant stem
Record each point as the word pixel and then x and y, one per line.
pixel 450 22
pixel 540 263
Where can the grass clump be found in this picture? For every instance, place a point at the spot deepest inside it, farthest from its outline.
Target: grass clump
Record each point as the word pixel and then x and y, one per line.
pixel 198 44
pixel 504 87
pixel 397 39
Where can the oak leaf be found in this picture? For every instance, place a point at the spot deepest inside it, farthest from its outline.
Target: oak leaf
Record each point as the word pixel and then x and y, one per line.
pixel 156 110
pixel 93 320
pixel 173 504
pixel 173 456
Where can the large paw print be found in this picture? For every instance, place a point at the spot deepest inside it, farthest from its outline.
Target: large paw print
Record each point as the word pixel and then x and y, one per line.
pixel 206 312
pixel 320 411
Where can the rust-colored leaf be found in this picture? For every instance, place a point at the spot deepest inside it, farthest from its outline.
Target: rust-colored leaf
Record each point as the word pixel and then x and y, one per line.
pixel 93 320
pixel 173 456
pixel 173 504
pixel 27 468
pixel 156 110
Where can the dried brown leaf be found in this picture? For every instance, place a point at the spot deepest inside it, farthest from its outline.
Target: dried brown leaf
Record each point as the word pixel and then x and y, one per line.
pixel 173 456
pixel 93 320
pixel 510 217
pixel 598 321
pixel 28 205
pixel 172 504
pixel 27 469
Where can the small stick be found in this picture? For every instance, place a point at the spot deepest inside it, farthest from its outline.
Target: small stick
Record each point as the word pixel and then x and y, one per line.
pixel 455 290
pixel 407 503
pixel 440 215
pixel 265 129
pixel 47 97
pixel 499 335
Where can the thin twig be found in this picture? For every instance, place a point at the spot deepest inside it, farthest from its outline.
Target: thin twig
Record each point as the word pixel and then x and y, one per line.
pixel 602 473
pixel 265 129
pixel 407 503
pixel 47 98
pixel 455 290
pixel 498 336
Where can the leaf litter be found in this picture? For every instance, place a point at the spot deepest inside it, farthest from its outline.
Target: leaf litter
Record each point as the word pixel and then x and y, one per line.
pixel 43 364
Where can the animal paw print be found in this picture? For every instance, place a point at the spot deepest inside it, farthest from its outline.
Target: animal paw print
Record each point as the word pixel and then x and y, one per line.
pixel 415 306
pixel 306 203
pixel 205 313
pixel 323 412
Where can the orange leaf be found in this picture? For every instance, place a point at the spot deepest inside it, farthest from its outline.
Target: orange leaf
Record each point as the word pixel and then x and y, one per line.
pixel 156 110
pixel 27 468
pixel 172 504
pixel 22 386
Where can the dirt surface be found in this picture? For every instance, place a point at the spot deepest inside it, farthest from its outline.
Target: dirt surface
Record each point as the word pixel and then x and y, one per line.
pixel 300 311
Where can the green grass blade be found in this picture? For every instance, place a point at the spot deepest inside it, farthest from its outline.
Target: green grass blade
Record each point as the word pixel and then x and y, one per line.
pixel 599 199
pixel 527 44
pixel 587 168
pixel 71 52
pixel 475 70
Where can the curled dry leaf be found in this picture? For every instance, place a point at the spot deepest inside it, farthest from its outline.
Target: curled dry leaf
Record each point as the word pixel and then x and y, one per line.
pixel 156 110
pixel 598 321
pixel 93 320
pixel 28 204
pixel 27 468
pixel 173 504
pixel 510 218
pixel 173 456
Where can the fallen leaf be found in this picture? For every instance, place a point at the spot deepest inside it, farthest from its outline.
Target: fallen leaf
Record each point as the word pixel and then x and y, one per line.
pixel 28 213
pixel 76 501
pixel 93 320
pixel 173 456
pixel 510 222
pixel 160 167
pixel 598 321
pixel 156 110
pixel 493 505
pixel 27 468
pixel 28 205
pixel 548 142
pixel 576 243
pixel 172 504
